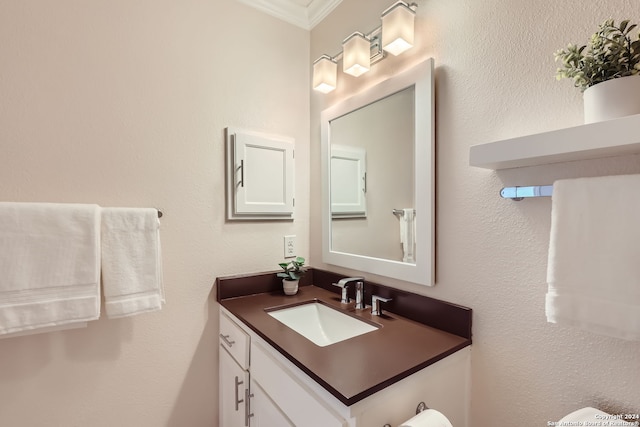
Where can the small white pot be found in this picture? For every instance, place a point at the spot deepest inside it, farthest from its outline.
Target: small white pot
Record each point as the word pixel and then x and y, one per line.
pixel 612 99
pixel 290 287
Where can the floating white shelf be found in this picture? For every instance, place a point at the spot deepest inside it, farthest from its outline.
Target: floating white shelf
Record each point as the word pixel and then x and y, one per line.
pixel 595 140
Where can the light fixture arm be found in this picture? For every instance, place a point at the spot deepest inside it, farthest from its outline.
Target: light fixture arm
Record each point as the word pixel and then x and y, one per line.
pixel 375 39
pixel 375 42
pixel 324 77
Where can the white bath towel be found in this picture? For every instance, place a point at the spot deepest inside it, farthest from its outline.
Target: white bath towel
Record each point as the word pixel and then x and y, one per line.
pixel 131 261
pixel 407 234
pixel 49 265
pixel 594 255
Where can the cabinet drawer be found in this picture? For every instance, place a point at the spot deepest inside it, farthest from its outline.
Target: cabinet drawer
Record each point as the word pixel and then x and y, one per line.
pixel 300 405
pixel 234 340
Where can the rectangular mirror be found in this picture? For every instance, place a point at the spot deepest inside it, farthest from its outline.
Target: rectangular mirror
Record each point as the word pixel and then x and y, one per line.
pixel 378 206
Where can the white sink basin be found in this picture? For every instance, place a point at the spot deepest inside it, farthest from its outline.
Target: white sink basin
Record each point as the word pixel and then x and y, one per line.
pixel 320 323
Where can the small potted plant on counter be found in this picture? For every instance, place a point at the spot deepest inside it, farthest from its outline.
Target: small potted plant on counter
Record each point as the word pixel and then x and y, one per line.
pixel 293 271
pixel 606 70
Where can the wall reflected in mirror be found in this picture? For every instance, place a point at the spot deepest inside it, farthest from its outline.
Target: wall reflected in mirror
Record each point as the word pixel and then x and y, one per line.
pixel 372 175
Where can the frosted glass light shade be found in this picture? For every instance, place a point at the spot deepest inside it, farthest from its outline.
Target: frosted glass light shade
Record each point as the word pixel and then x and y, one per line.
pixel 325 74
pixel 397 28
pixel 356 58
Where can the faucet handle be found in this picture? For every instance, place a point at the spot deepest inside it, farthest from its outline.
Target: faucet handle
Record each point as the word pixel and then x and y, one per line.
pixel 344 299
pixel 344 284
pixel 347 280
pixel 376 308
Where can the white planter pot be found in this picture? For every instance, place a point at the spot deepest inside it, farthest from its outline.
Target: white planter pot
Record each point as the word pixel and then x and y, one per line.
pixel 612 99
pixel 290 287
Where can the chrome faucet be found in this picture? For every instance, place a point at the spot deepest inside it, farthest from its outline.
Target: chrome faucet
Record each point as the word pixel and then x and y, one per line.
pixel 376 308
pixel 344 285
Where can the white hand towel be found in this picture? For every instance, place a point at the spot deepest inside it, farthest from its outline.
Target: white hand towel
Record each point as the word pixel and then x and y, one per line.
pixel 407 234
pixel 49 265
pixel 131 261
pixel 594 255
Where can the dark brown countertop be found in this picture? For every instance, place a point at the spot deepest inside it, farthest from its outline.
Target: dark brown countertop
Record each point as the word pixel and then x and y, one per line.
pixel 355 368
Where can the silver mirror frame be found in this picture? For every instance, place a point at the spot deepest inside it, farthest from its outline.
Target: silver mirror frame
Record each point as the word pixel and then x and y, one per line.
pixel 422 272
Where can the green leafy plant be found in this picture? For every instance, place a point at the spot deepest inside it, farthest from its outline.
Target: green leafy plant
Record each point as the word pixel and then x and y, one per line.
pixel 293 270
pixel 610 54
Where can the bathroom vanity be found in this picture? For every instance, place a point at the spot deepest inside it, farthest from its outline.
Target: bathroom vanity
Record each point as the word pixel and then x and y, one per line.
pixel 418 350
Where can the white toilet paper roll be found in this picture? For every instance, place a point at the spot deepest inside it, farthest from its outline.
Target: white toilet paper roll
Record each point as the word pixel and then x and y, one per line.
pixel 428 418
pixel 586 414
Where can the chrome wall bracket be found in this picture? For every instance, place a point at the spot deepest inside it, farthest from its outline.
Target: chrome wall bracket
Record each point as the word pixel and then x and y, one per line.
pixel 519 193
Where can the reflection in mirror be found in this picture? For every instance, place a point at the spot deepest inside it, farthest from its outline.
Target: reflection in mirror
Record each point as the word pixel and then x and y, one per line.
pixel 348 181
pixel 378 190
pixel 384 131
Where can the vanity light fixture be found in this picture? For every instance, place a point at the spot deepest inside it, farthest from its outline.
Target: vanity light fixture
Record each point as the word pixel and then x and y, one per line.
pixel 360 51
pixel 397 28
pixel 356 59
pixel 325 71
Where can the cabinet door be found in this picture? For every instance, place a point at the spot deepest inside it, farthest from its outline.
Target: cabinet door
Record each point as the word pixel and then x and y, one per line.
pixel 265 412
pixel 348 181
pixel 260 175
pixel 234 381
pixel 302 406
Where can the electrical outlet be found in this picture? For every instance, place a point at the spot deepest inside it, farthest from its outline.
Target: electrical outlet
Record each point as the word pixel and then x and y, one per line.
pixel 289 246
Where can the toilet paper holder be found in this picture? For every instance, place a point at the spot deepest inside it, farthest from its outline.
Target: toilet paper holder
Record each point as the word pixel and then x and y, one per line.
pixel 421 407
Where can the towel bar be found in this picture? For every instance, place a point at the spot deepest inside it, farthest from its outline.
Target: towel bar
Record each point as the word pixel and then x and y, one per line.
pixel 400 212
pixel 519 193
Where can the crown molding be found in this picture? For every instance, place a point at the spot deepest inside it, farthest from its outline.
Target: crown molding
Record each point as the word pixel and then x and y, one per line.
pixel 293 13
pixel 319 9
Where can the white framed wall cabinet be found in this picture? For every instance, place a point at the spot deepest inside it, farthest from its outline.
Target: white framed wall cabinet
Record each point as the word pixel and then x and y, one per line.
pixel 260 175
pixel 348 182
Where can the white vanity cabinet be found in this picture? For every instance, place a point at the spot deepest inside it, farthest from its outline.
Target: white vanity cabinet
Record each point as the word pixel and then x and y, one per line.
pixel 280 394
pixel 243 402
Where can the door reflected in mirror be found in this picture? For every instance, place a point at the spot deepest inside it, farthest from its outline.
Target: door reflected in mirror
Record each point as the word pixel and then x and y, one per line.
pixel 378 178
pixel 372 176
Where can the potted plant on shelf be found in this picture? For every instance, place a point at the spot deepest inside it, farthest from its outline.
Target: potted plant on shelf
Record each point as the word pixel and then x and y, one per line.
pixel 606 70
pixel 293 271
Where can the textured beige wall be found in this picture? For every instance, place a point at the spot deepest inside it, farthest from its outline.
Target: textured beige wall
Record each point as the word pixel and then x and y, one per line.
pixel 495 80
pixel 124 103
